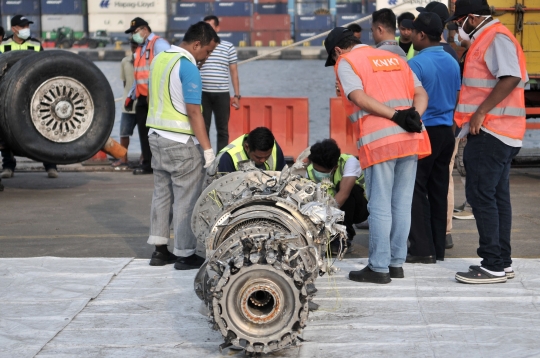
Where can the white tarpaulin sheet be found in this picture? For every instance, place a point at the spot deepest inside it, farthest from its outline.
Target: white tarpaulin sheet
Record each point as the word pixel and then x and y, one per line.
pixel 153 311
pixel 40 296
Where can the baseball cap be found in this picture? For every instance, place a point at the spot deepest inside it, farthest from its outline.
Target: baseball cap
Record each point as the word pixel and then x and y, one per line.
pixel 135 24
pixel 428 22
pixel 466 7
pixel 438 8
pixel 19 20
pixel 332 40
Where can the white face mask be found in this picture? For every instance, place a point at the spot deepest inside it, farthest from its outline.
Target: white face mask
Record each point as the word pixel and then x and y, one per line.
pixel 467 36
pixel 24 34
pixel 456 40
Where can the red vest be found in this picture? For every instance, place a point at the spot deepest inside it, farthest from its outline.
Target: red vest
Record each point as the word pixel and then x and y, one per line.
pixel 508 117
pixel 142 67
pixel 388 79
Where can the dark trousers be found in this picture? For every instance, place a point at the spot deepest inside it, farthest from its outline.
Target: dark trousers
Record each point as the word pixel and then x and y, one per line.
pixel 141 113
pixel 9 162
pixel 430 199
pixel 355 208
pixel 487 162
pixel 218 103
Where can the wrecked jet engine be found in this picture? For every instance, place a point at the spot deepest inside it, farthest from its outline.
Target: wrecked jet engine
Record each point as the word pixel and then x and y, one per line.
pixel 266 236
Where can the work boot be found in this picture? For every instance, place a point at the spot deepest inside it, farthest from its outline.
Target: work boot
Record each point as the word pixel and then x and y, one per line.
pixel 7 173
pixel 162 259
pixel 52 173
pixel 189 263
pixel 449 243
pixel 396 272
pixel 367 275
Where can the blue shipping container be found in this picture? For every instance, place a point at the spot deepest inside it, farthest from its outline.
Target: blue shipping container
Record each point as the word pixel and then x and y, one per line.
pixel 232 8
pixel 182 23
pixel 189 8
pixel 272 9
pixel 371 7
pixel 302 35
pixel 349 8
pixel 236 37
pixel 309 8
pixel 35 28
pixel 63 7
pixel 23 7
pixel 313 22
pixel 343 19
pixel 367 36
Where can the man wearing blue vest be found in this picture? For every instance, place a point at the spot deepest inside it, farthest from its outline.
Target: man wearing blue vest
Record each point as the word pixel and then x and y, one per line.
pixel 259 146
pixel 180 146
pixel 343 170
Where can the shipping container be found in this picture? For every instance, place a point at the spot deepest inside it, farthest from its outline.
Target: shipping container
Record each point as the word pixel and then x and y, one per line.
pixel 278 8
pixel 20 7
pixel 273 1
pixel 343 19
pixel 349 8
pixel 367 35
pixel 271 22
pixel 266 36
pixel 175 37
pixel 189 8
pixel 313 22
pixel 235 23
pixel 235 37
pixel 302 35
pixel 63 7
pixel 182 23
pixel 309 8
pixel 53 22
pixel 372 6
pixel 135 8
pixel 121 22
pixel 35 28
pixel 230 8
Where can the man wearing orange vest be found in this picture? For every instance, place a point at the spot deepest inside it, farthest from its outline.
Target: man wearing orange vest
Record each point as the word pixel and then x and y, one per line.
pixel 491 112
pixel 384 100
pixel 149 46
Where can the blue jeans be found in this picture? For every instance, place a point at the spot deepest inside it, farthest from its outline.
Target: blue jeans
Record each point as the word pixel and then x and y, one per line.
pixel 389 188
pixel 487 163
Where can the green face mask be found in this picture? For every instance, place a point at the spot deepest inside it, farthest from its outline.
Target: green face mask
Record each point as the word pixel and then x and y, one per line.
pixel 138 38
pixel 320 176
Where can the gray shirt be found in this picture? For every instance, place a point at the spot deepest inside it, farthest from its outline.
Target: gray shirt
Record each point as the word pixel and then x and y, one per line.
pixel 392 46
pixel 350 81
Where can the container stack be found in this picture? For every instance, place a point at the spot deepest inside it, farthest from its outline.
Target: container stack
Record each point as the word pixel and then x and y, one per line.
pixel 63 13
pixel 271 23
pixel 28 8
pixel 115 16
pixel 351 11
pixel 307 26
pixel 183 15
pixel 234 21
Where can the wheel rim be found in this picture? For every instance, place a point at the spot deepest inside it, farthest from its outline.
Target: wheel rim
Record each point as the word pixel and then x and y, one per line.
pixel 62 109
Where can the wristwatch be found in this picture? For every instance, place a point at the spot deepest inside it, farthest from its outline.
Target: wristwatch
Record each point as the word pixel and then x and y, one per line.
pixel 237 96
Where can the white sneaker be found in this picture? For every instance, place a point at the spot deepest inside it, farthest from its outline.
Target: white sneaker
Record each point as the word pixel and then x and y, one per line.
pixel 7 173
pixel 52 173
pixel 463 215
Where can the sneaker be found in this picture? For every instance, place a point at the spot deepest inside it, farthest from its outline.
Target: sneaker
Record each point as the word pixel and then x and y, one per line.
pixel 478 275
pixel 449 243
pixel 460 208
pixel 364 225
pixel 421 259
pixel 368 275
pixel 6 174
pixel 161 259
pixel 52 173
pixel 463 215
pixel 510 274
pixel 396 272
pixel 189 263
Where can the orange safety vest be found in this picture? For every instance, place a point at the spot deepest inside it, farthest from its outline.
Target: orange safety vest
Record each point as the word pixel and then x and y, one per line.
pixel 141 66
pixel 388 79
pixel 508 117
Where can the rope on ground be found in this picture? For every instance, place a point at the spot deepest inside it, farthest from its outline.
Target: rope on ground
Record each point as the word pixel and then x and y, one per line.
pixel 363 19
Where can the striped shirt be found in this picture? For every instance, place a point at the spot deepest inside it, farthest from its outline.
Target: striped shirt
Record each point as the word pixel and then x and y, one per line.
pixel 215 71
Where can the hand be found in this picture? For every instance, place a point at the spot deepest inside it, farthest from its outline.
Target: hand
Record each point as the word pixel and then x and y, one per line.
pixel 235 102
pixel 128 104
pixel 338 92
pixel 414 122
pixel 476 122
pixel 209 157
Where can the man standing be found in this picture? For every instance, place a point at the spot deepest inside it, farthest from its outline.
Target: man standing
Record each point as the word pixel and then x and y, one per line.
pixel 356 29
pixel 434 67
pixel 383 28
pixel 384 101
pixel 177 141
pixel 215 78
pixel 404 38
pixel 149 46
pixel 491 110
pixel 440 9
pixel 21 41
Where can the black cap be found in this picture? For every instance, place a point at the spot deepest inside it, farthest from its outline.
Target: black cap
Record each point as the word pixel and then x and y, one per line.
pixel 466 7
pixel 428 22
pixel 332 40
pixel 437 7
pixel 135 24
pixel 19 20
